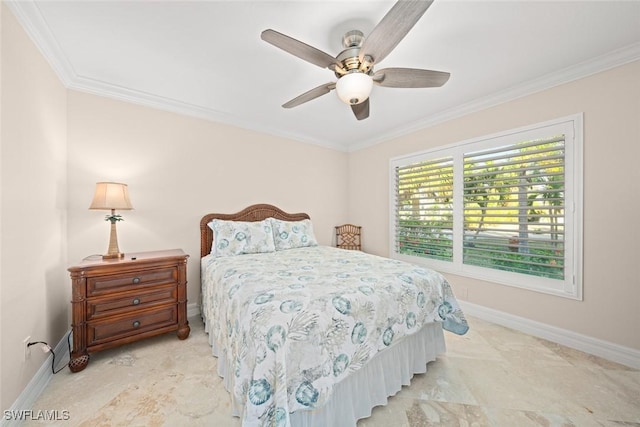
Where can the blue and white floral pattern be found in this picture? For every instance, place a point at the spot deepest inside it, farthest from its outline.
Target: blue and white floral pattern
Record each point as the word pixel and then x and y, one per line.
pixel 294 323
pixel 293 234
pixel 239 237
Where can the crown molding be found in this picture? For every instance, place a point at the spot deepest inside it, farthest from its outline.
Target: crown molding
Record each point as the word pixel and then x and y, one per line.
pixel 581 70
pixel 29 16
pixel 121 93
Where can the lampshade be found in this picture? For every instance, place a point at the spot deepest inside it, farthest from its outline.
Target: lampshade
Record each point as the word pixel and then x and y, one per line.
pixel 111 195
pixel 354 88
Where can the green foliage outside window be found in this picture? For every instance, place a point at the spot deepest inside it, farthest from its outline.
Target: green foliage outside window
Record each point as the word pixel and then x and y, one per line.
pixel 513 208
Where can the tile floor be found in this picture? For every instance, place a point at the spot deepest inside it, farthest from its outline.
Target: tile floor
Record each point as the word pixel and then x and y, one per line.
pixel 492 376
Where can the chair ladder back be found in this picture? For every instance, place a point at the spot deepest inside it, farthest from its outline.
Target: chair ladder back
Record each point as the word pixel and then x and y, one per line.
pixel 348 236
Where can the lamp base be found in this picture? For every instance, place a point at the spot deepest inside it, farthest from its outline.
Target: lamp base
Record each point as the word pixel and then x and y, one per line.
pixel 113 252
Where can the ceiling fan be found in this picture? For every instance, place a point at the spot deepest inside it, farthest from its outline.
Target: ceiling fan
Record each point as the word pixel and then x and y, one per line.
pixel 354 65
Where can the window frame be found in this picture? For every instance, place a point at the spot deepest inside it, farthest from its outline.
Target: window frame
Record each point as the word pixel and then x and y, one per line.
pixel 572 128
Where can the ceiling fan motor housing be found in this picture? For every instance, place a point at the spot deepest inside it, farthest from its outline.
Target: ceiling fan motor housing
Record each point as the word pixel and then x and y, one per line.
pixel 354 65
pixel 348 60
pixel 354 80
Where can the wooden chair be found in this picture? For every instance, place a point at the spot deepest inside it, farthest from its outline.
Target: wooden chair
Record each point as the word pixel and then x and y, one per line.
pixel 348 237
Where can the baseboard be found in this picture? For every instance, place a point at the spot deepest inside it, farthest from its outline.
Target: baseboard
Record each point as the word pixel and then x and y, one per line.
pixel 193 310
pixel 24 403
pixel 20 410
pixel 610 351
pixel 624 355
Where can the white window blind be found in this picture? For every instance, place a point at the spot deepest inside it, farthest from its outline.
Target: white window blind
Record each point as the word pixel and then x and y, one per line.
pixel 424 215
pixel 514 208
pixel 505 208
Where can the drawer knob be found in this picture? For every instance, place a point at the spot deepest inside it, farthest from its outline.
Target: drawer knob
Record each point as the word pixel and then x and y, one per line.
pixel 136 280
pixel 136 301
pixel 136 324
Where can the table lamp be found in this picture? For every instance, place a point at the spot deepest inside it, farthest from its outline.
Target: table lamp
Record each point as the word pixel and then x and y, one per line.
pixel 112 196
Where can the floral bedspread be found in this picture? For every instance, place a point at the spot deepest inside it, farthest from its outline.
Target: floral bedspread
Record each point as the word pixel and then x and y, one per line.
pixel 293 323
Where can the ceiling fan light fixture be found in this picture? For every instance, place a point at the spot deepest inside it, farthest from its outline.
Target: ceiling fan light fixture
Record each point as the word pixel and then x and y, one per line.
pixel 354 88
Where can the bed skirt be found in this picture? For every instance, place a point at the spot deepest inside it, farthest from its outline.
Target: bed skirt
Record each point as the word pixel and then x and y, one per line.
pixel 355 396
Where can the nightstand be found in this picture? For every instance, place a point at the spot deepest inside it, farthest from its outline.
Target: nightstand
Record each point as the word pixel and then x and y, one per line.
pixel 120 301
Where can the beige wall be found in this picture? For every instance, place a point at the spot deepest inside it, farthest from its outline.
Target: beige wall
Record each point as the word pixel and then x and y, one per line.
pixel 34 288
pixel 179 168
pixel 55 144
pixel 1 223
pixel 611 105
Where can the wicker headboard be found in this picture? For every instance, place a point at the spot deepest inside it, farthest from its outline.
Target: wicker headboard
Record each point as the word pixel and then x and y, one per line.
pixel 251 213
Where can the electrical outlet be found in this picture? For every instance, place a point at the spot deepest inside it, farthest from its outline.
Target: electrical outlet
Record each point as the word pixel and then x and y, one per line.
pixel 27 349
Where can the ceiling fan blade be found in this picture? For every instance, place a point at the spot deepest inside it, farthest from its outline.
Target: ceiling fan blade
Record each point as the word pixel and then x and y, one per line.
pixel 298 48
pixel 392 28
pixel 309 95
pixel 361 110
pixel 410 77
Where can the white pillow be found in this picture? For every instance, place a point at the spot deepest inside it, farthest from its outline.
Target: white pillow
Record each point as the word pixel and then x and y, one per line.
pixel 239 237
pixel 293 234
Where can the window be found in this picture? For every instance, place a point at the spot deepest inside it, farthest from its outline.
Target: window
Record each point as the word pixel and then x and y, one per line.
pixel 505 208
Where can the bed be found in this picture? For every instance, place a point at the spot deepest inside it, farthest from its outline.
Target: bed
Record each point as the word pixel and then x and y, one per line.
pixel 310 335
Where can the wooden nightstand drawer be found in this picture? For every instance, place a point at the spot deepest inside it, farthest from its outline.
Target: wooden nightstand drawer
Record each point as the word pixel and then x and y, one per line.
pixel 134 301
pixel 103 331
pixel 133 280
pixel 120 301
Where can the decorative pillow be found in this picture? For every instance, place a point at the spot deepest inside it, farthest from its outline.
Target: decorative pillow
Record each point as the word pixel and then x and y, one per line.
pixel 293 234
pixel 240 237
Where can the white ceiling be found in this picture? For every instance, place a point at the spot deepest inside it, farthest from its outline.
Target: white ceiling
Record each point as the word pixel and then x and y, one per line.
pixel 206 58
